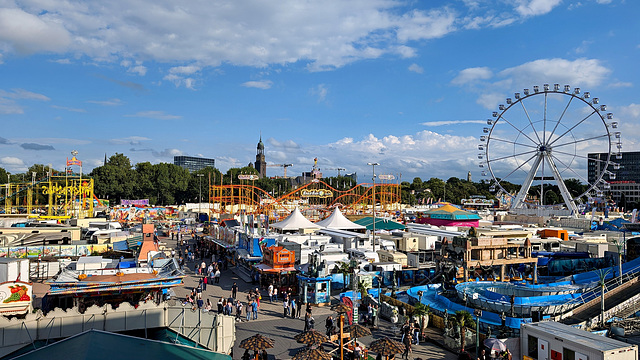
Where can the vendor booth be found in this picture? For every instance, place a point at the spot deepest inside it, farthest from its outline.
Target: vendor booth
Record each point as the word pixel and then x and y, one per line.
pixel 278 269
pixel 317 290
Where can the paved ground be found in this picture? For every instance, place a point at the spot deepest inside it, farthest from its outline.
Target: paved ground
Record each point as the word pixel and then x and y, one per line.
pixel 271 323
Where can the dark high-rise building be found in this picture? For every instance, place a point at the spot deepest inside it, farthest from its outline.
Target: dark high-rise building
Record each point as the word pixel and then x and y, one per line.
pixel 260 164
pixel 193 163
pixel 626 174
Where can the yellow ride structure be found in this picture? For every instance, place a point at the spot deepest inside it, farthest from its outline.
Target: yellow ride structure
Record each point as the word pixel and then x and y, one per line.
pixel 56 197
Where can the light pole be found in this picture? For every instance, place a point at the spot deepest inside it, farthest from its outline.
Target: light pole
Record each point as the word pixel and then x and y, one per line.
pixel 373 189
pixel 199 194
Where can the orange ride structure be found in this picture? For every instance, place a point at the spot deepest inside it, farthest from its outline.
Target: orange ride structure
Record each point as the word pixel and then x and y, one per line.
pixel 315 199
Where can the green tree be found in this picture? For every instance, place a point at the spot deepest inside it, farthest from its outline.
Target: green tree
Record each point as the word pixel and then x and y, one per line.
pixel 116 179
pixel 344 268
pixel 171 180
pixel 463 319
pixel 422 311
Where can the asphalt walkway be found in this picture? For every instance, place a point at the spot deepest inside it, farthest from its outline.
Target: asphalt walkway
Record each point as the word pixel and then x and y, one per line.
pixel 271 322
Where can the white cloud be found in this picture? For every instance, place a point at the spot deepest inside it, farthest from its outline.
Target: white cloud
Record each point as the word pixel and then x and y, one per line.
pixel 452 122
pixel 11 161
pixel 320 92
pixel 472 74
pixel 28 33
pixel 579 72
pixel 154 114
pixel 535 7
pixel 131 140
pixel 416 68
pixel 262 84
pixel 109 102
pixel 287 144
pixel 170 153
pixel 9 100
pixel 420 25
pixel 631 110
pixel 69 109
pixel 620 84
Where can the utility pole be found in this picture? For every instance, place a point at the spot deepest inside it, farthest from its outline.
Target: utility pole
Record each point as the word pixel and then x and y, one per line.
pixel 199 194
pixel 373 189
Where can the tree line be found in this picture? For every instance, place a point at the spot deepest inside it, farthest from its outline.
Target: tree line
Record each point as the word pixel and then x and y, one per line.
pixel 169 184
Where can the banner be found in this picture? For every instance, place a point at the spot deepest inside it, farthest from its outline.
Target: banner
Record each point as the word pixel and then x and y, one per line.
pixel 74 161
pixel 140 202
pixel 321 193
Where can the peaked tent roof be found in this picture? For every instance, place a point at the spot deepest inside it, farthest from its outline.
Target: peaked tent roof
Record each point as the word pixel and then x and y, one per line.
pixel 338 221
pixel 450 212
pixel 295 221
pixel 381 223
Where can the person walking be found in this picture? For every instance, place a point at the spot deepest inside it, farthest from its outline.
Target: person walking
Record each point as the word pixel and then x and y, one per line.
pixel 285 308
pixel 293 308
pixel 234 290
pixel 220 306
pixel 306 321
pixel 238 310
pixel 205 280
pixel 270 292
pixel 255 310
pixel 249 309
pixel 275 293
pixel 299 307
pixel 217 276
pixel 258 296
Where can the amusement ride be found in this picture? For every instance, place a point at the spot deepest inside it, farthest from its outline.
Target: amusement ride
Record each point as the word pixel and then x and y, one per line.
pixel 542 136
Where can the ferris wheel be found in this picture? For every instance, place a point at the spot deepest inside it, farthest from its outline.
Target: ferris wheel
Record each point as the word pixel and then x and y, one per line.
pixel 543 137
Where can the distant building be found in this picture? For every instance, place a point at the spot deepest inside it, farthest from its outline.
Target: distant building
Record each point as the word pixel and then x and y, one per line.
pixel 193 163
pixel 626 178
pixel 261 163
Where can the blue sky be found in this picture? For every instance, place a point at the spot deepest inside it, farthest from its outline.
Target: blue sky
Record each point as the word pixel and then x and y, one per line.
pixel 407 84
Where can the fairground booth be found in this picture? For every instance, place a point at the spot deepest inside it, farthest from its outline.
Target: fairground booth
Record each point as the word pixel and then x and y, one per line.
pixel 278 269
pixel 314 283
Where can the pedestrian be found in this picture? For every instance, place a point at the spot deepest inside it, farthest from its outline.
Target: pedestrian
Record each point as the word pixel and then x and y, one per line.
pixel 275 293
pixel 249 309
pixel 255 310
pixel 407 347
pixel 234 290
pixel 205 280
pixel 239 310
pixel 306 321
pixel 299 307
pixel 270 292
pixel 258 296
pixel 220 305
pixel 328 325
pixel 293 308
pixel 285 306
pixel 217 276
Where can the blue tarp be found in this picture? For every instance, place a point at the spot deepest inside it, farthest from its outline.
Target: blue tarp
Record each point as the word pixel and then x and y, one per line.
pixel 121 245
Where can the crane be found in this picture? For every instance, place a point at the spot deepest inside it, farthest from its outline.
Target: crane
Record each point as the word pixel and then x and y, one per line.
pixel 285 166
pixel 338 168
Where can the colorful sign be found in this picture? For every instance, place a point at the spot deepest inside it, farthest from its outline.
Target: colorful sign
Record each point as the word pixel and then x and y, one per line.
pixel 140 202
pixel 248 177
pixel 15 297
pixel 319 193
pixel 52 250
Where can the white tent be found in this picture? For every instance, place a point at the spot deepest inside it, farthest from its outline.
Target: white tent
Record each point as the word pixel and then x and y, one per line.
pixel 295 221
pixel 338 221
